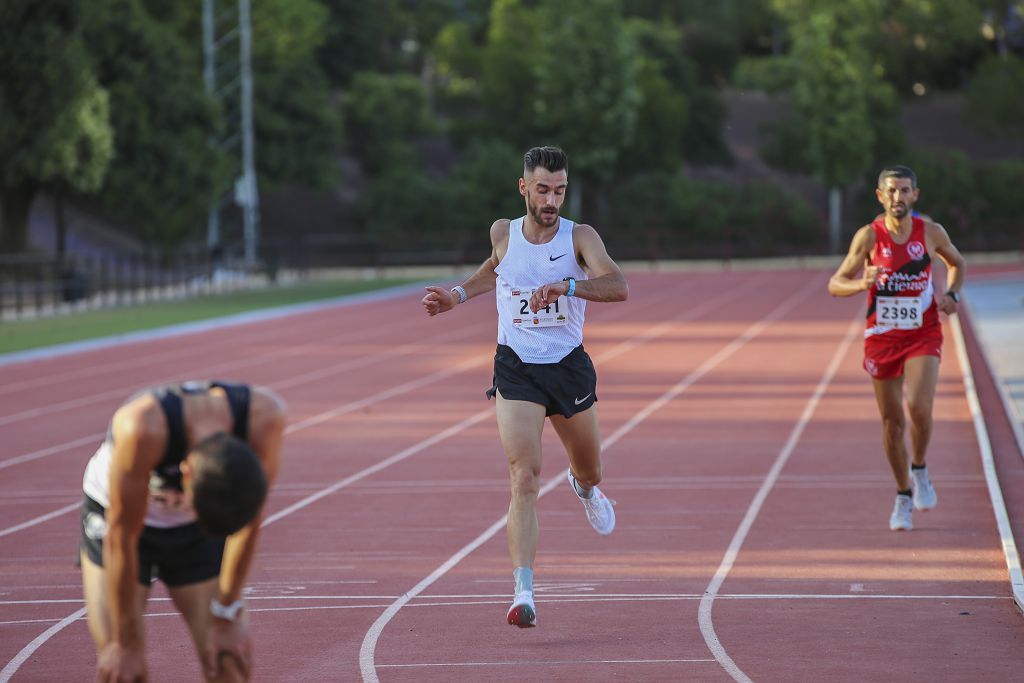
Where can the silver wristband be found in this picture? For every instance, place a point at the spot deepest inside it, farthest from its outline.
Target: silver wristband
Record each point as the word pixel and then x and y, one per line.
pixel 460 292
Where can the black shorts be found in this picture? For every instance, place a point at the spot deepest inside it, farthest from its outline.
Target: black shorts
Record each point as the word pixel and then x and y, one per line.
pixel 177 556
pixel 563 388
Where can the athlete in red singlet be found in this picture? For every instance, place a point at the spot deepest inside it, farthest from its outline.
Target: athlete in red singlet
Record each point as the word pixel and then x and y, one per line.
pixel 903 339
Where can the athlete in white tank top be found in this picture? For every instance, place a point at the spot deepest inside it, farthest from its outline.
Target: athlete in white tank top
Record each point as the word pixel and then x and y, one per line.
pixel 548 335
pixel 544 269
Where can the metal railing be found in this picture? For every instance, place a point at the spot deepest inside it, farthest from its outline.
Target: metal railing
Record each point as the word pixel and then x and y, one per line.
pixel 37 285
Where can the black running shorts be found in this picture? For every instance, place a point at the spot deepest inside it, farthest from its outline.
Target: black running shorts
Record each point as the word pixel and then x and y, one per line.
pixel 563 388
pixel 177 556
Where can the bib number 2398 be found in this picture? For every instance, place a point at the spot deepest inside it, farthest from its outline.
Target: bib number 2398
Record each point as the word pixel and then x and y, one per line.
pixel 556 313
pixel 901 312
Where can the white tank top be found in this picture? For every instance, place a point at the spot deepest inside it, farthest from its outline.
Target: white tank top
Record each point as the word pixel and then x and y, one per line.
pixel 163 512
pixel 549 335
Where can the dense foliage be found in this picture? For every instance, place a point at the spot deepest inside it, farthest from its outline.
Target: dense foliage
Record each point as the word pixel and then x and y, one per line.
pixel 414 115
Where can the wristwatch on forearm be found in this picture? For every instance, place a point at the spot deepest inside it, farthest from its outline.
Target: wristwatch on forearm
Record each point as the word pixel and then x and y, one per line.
pixel 954 296
pixel 226 612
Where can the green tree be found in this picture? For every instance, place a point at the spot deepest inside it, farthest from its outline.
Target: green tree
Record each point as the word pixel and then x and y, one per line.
pixel 298 126
pixel 53 112
pixel 165 170
pixel 995 98
pixel 384 113
pixel 843 106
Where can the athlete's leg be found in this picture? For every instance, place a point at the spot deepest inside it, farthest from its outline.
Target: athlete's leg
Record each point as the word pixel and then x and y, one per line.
pixel 520 424
pixel 193 601
pixel 94 586
pixel 889 396
pixel 922 376
pixel 582 440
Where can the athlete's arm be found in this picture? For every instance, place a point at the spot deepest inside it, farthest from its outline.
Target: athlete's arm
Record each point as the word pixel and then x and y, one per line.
pixel 267 420
pixel 605 280
pixel 439 299
pixel 844 282
pixel 140 432
pixel 939 240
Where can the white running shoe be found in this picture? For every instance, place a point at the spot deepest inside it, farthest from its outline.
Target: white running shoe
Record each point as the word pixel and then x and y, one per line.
pixel 924 493
pixel 600 512
pixel 901 518
pixel 523 613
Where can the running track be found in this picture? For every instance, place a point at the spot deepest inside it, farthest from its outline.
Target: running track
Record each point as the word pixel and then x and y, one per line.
pixel 742 447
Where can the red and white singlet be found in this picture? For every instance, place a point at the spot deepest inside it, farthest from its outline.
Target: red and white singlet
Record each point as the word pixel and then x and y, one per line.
pixel 901 303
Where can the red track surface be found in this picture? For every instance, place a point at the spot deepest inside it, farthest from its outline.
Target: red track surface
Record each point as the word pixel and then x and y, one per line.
pixel 717 405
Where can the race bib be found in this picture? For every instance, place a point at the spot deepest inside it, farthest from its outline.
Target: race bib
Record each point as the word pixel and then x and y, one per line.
pixel 557 313
pixel 901 312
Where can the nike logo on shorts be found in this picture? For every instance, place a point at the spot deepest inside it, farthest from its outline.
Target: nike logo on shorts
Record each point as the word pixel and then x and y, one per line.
pixel 555 258
pixel 581 400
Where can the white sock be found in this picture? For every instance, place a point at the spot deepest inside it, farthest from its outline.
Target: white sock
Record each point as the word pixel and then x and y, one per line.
pixel 524 579
pixel 583 493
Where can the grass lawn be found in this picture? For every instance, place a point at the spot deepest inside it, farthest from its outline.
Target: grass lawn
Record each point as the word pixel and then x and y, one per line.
pixel 21 335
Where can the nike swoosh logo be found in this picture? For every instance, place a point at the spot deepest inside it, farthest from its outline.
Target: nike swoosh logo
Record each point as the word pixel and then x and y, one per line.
pixel 581 400
pixel 555 258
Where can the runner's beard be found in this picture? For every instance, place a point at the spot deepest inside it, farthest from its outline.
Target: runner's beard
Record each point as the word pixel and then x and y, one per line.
pixel 899 211
pixel 539 216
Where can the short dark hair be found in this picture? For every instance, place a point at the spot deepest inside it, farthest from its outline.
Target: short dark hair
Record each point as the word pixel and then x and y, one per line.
pixel 897 172
pixel 550 158
pixel 228 484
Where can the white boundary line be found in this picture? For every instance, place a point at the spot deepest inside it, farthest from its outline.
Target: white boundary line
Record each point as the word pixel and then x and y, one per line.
pixel 614 351
pixel 1012 415
pixel 707 628
pixel 26 652
pixel 42 518
pixel 988 464
pixel 367 650
pixel 343 409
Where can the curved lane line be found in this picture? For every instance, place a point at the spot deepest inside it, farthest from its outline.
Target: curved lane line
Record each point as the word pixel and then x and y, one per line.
pixel 707 628
pixel 611 353
pixel 368 648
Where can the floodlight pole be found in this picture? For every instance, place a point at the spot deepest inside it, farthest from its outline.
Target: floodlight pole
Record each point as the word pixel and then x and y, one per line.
pixel 251 199
pixel 209 76
pixel 245 190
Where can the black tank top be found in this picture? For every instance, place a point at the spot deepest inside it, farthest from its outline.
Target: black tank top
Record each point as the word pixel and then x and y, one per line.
pixel 167 475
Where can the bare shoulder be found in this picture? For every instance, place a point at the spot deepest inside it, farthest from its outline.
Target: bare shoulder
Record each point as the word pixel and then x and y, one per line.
pixel 141 427
pixel 499 231
pixel 267 410
pixel 865 235
pixel 934 231
pixel 499 240
pixel 584 230
pixel 584 236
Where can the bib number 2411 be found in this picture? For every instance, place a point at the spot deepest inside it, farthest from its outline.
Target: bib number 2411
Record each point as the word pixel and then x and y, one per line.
pixel 556 313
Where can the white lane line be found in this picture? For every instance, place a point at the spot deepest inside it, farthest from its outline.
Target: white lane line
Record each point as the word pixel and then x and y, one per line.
pixel 707 628
pixel 367 650
pixel 478 600
pixel 59 448
pixel 1013 416
pixel 39 520
pixel 160 333
pixel 26 652
pixel 621 348
pixel 383 464
pixel 319 373
pixel 988 464
pixel 317 419
pixel 311 330
pixel 535 663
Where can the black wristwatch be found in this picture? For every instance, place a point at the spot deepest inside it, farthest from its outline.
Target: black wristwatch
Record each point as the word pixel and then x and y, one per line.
pixel 954 296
